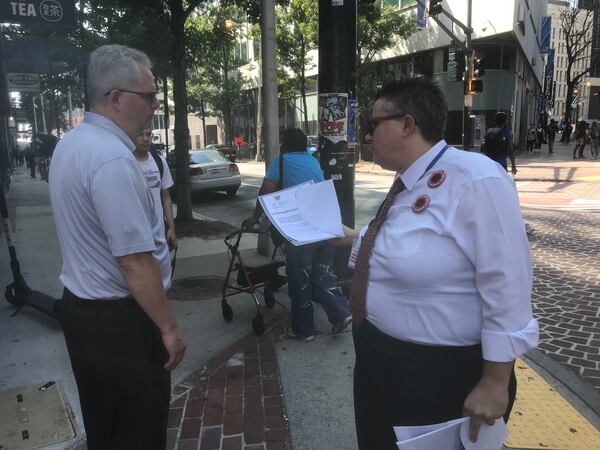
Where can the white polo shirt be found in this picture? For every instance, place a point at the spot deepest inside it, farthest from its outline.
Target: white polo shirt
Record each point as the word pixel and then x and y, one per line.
pixel 454 268
pixel 102 208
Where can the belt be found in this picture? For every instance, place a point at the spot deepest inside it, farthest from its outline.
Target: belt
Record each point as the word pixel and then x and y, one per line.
pixel 99 303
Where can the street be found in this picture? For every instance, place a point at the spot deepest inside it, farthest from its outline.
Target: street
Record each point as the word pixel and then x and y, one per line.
pixel 565 244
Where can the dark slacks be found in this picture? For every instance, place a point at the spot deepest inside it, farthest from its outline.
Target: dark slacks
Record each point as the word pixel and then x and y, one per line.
pixel 399 383
pixel 117 357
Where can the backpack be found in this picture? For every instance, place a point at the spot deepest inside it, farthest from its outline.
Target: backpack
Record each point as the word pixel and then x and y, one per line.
pixel 158 161
pixel 495 145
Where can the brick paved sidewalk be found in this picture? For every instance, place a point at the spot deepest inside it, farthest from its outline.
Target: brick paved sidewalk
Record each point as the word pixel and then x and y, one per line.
pixel 235 402
pixel 565 248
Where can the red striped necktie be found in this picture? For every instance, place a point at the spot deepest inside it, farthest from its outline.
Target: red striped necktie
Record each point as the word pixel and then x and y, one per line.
pixel 360 280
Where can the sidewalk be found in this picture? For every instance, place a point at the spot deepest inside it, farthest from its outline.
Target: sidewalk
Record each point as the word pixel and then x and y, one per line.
pixel 545 181
pixel 233 390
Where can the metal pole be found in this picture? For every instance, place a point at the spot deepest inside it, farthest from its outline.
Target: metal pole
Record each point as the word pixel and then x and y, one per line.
pixel 35 124
pixel 269 77
pixel 466 135
pixel 258 116
pixel 70 107
pixel 337 85
pixel 43 113
pixel 270 129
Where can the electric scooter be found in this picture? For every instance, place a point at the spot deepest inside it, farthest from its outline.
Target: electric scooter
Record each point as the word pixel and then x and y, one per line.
pixel 18 293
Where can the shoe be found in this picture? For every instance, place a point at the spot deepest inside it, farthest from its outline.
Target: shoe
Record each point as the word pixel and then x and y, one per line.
pixel 293 335
pixel 340 326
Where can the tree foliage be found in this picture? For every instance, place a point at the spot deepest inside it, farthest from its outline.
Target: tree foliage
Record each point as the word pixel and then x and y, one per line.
pixel 576 26
pixel 297 34
pixel 380 27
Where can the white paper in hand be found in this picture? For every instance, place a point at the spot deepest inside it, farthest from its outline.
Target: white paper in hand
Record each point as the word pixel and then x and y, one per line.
pixel 491 437
pixel 446 437
pixel 318 205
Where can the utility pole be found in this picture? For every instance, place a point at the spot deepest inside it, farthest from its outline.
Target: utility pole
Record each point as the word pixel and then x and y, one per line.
pixel 258 115
pixel 270 129
pixel 35 125
pixel 435 9
pixel 43 113
pixel 337 85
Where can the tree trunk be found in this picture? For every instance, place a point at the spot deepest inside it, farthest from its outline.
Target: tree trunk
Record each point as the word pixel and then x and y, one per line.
pixel 181 131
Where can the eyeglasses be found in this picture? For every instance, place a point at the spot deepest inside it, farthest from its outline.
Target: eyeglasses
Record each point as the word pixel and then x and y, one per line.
pixel 374 122
pixel 150 97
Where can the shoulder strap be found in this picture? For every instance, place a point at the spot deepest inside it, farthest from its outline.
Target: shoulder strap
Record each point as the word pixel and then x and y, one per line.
pixel 281 171
pixel 158 162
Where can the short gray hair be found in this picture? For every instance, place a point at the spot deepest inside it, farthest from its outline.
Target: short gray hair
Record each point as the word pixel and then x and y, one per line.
pixel 112 67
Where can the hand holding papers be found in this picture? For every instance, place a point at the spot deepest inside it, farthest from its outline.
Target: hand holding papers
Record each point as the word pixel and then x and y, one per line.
pixel 453 435
pixel 305 213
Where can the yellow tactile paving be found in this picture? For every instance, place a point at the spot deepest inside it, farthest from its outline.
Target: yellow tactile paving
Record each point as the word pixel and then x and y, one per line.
pixel 542 419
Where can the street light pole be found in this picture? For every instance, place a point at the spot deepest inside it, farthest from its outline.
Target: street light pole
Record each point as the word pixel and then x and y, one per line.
pixel 43 113
pixel 35 124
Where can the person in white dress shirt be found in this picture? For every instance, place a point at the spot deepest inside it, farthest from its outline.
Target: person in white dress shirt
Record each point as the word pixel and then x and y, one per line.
pixel 445 306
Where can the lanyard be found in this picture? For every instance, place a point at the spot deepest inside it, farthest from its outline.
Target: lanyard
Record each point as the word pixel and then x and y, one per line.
pixel 437 157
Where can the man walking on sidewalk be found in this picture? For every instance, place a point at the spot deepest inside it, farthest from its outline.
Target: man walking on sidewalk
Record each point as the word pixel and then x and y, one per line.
pixel 551 131
pixel 498 143
pixel 120 331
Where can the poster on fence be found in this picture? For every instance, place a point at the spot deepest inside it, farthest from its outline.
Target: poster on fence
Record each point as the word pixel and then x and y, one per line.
pixel 333 116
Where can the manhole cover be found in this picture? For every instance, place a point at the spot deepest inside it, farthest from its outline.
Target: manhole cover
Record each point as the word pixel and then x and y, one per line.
pixel 197 288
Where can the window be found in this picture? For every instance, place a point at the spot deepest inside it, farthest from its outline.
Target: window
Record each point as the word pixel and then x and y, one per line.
pixel 197 139
pixel 404 3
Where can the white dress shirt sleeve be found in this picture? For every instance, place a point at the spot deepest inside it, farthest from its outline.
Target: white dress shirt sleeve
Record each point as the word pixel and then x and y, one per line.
pixel 489 229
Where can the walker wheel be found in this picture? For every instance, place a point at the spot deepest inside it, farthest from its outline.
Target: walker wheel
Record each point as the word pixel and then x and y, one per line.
pixel 227 311
pixel 269 299
pixel 258 325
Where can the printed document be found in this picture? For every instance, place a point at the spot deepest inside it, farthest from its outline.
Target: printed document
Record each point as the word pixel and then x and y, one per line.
pixel 306 213
pixel 452 435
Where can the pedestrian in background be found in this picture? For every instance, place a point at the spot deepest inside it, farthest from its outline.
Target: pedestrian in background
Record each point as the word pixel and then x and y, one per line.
pixel 308 267
pixel 156 170
pixel 498 143
pixel 441 294
pixel 551 131
pixel 531 137
pixel 121 334
pixel 581 136
pixel 595 139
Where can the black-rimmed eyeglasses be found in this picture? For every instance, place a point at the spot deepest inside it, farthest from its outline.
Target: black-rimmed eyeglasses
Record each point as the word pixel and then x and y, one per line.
pixel 374 122
pixel 150 97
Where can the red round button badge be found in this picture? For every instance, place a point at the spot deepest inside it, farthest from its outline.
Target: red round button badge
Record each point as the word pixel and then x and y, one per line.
pixel 436 179
pixel 421 203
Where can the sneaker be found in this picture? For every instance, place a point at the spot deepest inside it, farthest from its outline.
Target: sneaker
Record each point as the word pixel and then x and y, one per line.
pixel 292 334
pixel 340 326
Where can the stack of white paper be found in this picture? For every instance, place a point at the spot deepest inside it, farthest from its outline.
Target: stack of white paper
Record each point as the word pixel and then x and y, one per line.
pixel 453 435
pixel 305 213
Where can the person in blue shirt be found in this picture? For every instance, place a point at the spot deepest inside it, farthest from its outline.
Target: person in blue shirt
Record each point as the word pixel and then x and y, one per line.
pixel 308 267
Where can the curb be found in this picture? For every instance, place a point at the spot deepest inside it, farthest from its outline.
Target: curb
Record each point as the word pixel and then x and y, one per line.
pixel 582 388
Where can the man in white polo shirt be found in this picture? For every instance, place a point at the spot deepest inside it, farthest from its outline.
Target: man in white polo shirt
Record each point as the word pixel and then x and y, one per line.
pixel 120 331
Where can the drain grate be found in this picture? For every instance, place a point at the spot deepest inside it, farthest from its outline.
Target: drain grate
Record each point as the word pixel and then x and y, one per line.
pixel 196 288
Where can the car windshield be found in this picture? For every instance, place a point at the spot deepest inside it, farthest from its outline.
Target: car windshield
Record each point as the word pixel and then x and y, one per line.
pixel 207 156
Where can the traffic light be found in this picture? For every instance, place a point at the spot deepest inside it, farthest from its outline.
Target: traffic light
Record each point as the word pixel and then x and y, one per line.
pixel 478 67
pixel 474 86
pixel 435 7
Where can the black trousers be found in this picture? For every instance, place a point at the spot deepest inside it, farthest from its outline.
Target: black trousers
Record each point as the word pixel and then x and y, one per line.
pixel 117 357
pixel 398 383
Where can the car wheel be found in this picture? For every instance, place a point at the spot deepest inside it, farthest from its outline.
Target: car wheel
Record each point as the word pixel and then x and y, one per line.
pixel 231 192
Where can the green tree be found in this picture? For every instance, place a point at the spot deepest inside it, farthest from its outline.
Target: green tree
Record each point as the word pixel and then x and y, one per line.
pixel 380 26
pixel 214 84
pixel 297 35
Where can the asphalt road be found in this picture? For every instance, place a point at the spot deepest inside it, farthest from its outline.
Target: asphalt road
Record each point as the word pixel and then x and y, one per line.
pixel 370 190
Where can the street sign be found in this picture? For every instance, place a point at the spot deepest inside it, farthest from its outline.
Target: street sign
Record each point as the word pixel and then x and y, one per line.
pixel 23 82
pixel 41 12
